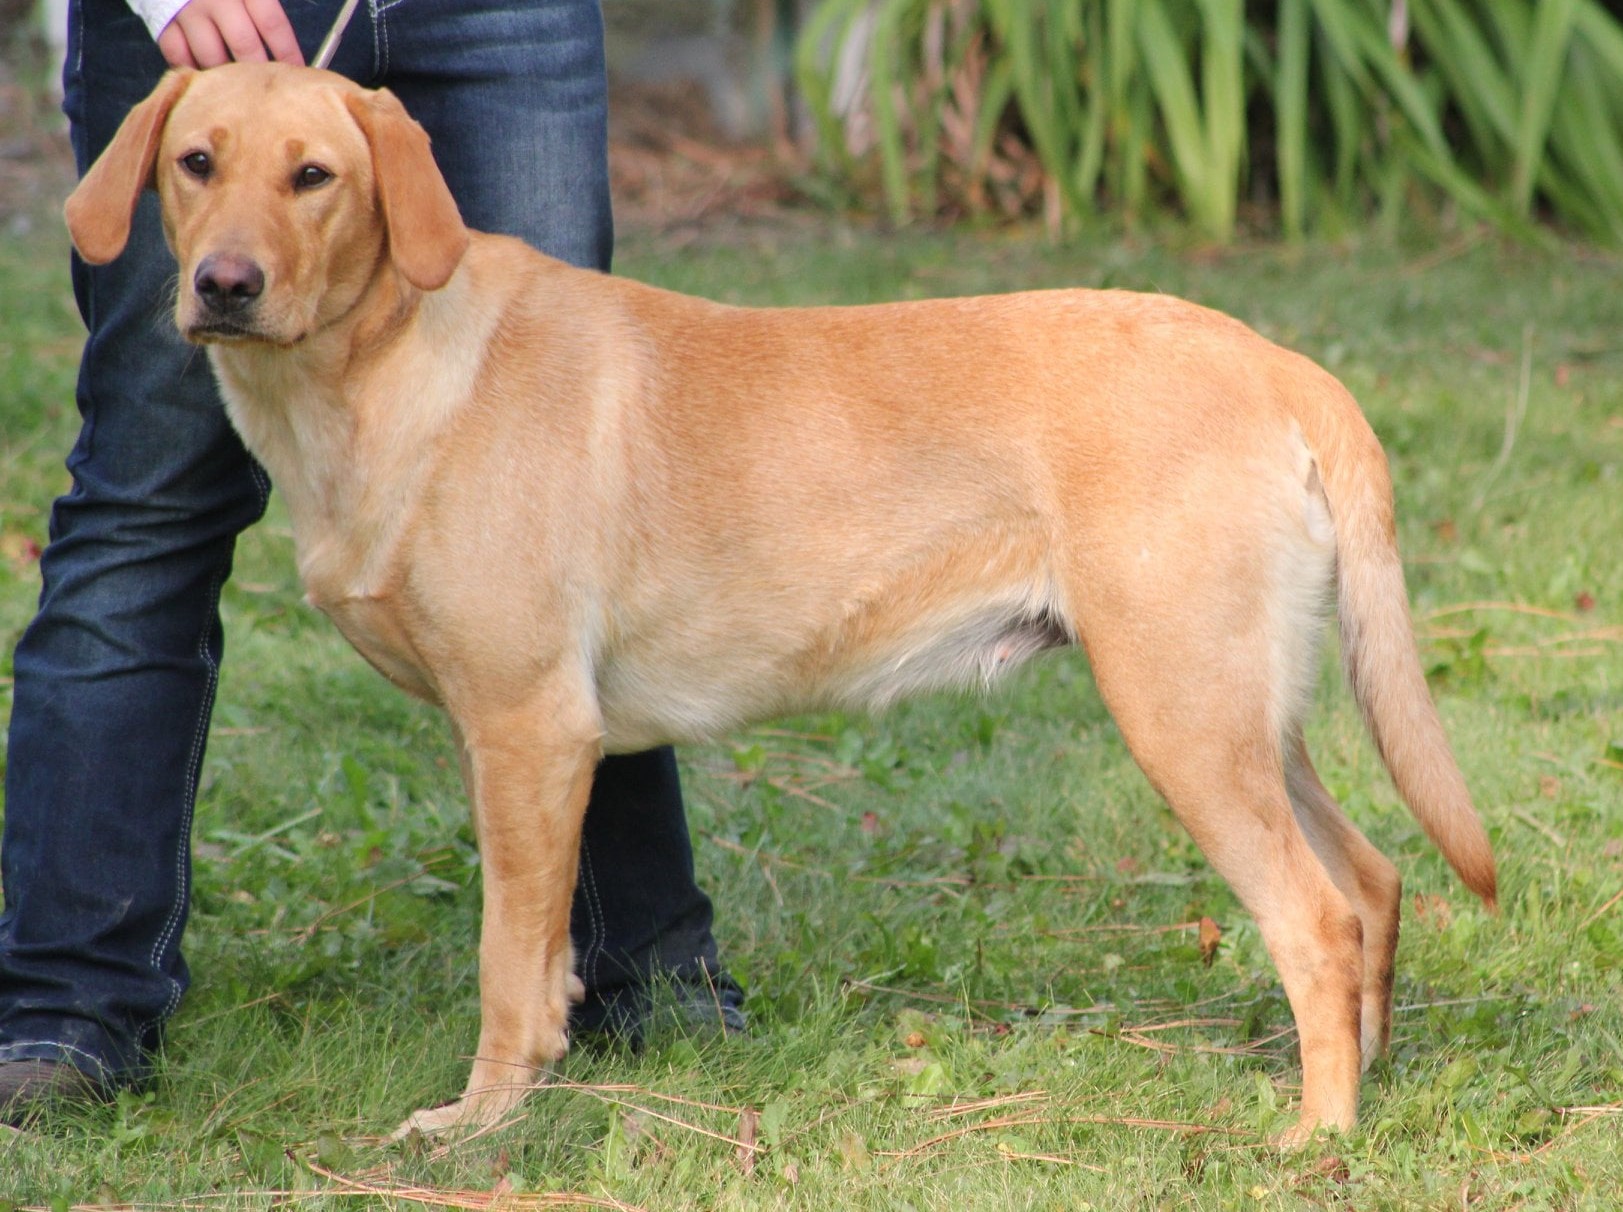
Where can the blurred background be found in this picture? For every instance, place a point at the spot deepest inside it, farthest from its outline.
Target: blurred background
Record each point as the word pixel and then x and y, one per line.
pixel 1232 119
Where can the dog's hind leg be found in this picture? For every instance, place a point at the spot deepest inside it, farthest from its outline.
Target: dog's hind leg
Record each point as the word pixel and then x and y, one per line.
pixel 1366 878
pixel 1242 820
pixel 1224 780
pixel 529 771
pixel 1201 694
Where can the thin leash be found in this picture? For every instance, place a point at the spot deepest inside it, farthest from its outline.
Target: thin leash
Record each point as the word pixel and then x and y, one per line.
pixel 329 44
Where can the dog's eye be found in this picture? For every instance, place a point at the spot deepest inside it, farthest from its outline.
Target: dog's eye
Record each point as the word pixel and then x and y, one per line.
pixel 197 164
pixel 310 176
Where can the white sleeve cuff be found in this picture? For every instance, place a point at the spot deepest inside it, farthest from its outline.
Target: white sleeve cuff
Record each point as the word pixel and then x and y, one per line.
pixel 157 13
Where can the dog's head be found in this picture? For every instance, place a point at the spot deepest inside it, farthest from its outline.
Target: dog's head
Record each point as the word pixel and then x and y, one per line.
pixel 284 191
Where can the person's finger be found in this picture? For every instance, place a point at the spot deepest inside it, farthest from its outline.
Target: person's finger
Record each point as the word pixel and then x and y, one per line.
pixel 172 44
pixel 275 30
pixel 203 39
pixel 240 34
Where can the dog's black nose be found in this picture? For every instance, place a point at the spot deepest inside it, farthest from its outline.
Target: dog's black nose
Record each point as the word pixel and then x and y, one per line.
pixel 227 282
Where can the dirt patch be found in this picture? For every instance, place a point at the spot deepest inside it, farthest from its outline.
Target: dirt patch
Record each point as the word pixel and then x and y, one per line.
pixel 673 170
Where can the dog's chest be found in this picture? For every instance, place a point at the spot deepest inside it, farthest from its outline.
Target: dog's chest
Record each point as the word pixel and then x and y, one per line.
pixel 372 628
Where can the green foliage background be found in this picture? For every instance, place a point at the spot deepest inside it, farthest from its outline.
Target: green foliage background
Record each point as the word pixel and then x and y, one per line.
pixel 1295 116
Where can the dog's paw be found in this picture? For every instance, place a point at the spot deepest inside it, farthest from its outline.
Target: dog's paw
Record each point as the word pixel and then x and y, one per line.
pixel 1303 1131
pixel 574 990
pixel 475 1112
pixel 449 1120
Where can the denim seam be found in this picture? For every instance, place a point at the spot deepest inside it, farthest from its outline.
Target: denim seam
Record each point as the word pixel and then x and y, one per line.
pixel 262 482
pixel 86 436
pixel 78 14
pixel 263 486
pixel 92 1065
pixel 194 761
pixel 594 944
pixel 380 36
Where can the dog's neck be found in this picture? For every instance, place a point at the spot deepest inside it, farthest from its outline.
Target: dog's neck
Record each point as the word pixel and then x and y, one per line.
pixel 323 418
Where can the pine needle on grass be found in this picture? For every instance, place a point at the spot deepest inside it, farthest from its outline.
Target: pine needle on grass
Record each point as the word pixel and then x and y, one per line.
pixel 473 1201
pixel 1028 1121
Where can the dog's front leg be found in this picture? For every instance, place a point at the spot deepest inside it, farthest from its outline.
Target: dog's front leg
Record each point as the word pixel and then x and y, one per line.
pixel 529 773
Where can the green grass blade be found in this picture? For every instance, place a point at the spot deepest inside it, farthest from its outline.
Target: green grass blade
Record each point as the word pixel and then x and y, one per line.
pixel 1603 34
pixel 1477 80
pixel 1138 137
pixel 1336 23
pixel 1467 193
pixel 816 47
pixel 1222 72
pixel 1290 115
pixel 1061 33
pixel 996 94
pixel 1022 35
pixel 1174 94
pixel 1584 137
pixel 1063 40
pixel 1401 85
pixel 1347 120
pixel 1124 130
pixel 1095 86
pixel 1540 83
pixel 885 69
pixel 1510 22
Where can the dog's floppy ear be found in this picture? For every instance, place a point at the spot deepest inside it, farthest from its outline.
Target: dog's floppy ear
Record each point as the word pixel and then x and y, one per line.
pixel 426 235
pixel 101 207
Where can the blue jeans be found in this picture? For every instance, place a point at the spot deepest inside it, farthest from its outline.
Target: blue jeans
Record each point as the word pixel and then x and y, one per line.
pixel 115 678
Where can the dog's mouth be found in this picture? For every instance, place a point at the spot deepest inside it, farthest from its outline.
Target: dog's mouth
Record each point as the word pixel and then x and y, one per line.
pixel 213 330
pixel 229 330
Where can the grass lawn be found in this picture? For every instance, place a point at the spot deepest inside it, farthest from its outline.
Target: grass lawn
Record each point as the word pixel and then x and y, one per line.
pixel 966 928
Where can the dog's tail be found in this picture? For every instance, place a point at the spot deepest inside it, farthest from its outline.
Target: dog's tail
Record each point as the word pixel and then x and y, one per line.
pixel 1377 635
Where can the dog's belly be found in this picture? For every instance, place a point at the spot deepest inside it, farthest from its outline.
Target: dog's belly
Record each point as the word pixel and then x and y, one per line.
pixel 706 693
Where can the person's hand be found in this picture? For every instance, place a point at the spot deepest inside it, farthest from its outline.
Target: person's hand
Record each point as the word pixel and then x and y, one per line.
pixel 207 33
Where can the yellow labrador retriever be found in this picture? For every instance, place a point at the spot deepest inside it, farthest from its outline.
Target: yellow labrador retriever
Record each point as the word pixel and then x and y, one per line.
pixel 586 516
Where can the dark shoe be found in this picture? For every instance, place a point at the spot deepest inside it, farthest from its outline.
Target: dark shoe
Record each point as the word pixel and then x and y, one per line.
pixel 716 1004
pixel 626 1014
pixel 27 1087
